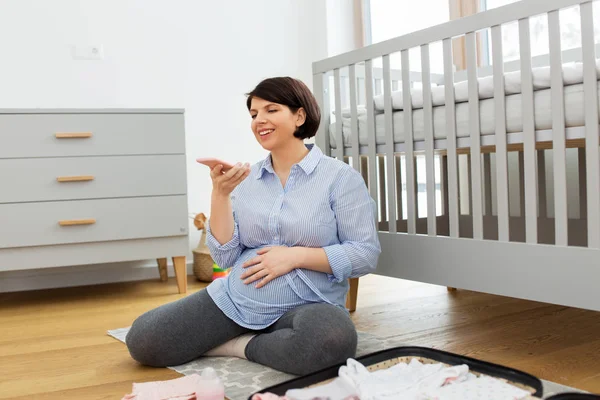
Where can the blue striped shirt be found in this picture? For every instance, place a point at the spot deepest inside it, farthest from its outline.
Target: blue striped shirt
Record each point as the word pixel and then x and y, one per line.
pixel 324 204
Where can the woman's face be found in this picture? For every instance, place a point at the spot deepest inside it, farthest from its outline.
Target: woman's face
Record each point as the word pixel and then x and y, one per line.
pixel 274 124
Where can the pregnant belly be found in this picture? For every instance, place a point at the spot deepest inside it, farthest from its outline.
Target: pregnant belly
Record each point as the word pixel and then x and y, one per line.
pixel 277 292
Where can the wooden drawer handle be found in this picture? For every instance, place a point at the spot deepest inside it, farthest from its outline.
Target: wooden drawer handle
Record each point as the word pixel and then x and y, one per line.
pixel 74 135
pixel 79 178
pixel 71 222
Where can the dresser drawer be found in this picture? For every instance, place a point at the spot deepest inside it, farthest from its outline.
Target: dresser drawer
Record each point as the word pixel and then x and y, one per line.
pixel 81 134
pixel 47 179
pixel 79 221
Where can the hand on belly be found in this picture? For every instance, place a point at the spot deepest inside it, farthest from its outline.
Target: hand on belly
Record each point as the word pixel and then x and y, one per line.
pixel 268 264
pixel 249 282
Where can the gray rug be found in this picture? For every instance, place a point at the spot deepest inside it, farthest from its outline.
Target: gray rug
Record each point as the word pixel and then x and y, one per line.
pixel 241 378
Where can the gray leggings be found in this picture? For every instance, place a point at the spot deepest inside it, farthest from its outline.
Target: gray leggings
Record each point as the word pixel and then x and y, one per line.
pixel 304 340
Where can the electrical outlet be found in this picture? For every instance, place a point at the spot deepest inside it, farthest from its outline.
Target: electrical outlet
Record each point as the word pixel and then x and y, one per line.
pixel 87 52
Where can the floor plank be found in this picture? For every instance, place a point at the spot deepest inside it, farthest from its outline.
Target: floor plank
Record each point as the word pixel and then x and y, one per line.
pixel 54 343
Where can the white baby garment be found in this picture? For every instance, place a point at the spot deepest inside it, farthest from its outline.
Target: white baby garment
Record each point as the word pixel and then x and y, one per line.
pixel 405 380
pixel 482 388
pixel 338 389
pixel 412 381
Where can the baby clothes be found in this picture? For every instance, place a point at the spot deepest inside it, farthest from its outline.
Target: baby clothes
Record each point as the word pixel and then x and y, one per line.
pixel 183 388
pixel 483 388
pixel 338 389
pixel 402 380
pixel 190 387
pixel 269 396
pixel 408 381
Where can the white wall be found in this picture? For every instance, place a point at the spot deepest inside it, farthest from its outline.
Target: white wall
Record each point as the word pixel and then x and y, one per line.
pixel 343 29
pixel 198 55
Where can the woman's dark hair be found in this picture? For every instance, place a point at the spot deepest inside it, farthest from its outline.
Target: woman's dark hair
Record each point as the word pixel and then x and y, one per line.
pixel 293 94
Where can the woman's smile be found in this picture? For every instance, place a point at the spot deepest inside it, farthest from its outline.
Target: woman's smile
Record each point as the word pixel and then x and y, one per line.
pixel 265 133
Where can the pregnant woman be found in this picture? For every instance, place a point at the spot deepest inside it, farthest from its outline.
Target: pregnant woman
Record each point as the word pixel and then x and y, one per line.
pixel 292 228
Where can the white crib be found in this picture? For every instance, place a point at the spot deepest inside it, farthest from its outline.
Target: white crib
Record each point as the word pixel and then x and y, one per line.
pixel 493 213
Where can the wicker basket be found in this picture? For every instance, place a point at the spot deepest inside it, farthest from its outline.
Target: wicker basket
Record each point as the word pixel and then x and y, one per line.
pixel 203 262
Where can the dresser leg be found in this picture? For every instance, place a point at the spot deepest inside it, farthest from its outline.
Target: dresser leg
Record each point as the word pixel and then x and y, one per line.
pixel 181 273
pixel 352 295
pixel 162 269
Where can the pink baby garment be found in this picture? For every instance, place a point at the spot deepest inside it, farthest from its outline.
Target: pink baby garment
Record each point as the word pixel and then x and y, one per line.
pixel 268 396
pixel 183 388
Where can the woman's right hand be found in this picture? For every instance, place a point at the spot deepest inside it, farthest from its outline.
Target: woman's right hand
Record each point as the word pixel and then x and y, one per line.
pixel 224 183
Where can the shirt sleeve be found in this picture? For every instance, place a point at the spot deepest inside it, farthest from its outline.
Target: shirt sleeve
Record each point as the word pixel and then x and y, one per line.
pixel 226 254
pixel 355 211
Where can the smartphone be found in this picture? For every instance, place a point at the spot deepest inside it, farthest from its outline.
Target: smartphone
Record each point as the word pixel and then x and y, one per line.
pixel 213 162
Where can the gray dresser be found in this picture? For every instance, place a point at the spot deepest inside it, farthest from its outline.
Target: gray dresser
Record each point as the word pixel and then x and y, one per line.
pixel 93 186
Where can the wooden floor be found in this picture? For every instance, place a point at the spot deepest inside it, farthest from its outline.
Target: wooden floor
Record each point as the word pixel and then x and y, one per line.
pixel 53 343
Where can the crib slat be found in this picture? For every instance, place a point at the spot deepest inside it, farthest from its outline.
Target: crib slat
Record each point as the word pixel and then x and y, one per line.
pixel 429 154
pixel 591 125
pixel 339 139
pixel 582 183
pixel 500 120
pixel 475 131
pixel 322 97
pixel 411 201
pixel 469 183
pixel 542 183
pixel 416 188
pixel 381 179
pixel 444 183
pixel 529 172
pixel 558 131
pixel 371 130
pixel 487 171
pixel 389 143
pixel 521 183
pixel 354 119
pixel 451 139
pixel 398 168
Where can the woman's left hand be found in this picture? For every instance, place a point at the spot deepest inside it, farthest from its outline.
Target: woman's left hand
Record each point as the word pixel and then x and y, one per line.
pixel 271 262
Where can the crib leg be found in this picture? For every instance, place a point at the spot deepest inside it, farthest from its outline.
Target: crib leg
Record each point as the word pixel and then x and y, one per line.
pixel 352 295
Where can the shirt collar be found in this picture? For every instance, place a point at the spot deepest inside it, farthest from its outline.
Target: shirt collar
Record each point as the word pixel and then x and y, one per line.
pixel 308 163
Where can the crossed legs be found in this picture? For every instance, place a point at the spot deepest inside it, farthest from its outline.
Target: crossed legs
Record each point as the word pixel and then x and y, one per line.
pixel 304 340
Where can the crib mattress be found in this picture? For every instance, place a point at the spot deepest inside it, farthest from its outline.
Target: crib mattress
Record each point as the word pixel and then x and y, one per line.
pixel 574 116
pixel 386 358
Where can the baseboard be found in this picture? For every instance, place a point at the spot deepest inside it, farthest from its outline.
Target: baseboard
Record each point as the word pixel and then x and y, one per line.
pixel 82 275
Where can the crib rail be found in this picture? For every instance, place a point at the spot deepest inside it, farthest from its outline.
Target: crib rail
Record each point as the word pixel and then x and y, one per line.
pixel 457 185
pixel 498 16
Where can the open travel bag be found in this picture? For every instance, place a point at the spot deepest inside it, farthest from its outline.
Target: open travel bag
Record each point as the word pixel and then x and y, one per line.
pixel 386 359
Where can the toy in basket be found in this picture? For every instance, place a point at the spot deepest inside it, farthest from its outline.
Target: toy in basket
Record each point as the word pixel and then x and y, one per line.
pixel 205 269
pixel 218 272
